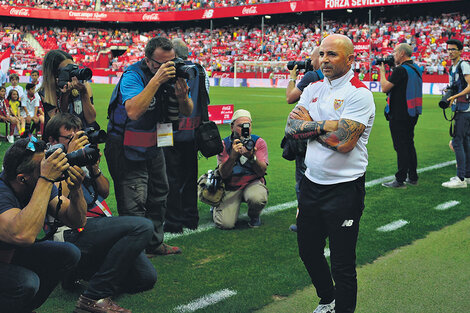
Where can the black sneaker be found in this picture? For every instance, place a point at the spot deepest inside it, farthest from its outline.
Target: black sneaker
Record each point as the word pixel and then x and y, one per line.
pixel 395 184
pixel 411 182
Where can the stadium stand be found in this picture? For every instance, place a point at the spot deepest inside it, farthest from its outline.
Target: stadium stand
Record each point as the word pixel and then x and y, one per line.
pixel 281 42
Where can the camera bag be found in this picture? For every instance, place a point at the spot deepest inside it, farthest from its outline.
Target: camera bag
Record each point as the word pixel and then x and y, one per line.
pixel 207 135
pixel 211 191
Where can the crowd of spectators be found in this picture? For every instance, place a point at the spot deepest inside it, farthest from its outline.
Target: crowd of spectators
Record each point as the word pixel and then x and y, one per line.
pixel 280 42
pixel 132 5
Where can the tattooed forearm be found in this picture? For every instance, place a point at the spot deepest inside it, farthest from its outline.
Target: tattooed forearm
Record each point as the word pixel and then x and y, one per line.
pixel 344 139
pixel 300 129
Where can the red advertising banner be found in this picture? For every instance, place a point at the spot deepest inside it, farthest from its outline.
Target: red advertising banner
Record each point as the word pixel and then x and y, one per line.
pixel 246 10
pixel 360 47
pixel 221 114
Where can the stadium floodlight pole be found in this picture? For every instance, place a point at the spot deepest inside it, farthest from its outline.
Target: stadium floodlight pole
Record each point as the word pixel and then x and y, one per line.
pixel 370 44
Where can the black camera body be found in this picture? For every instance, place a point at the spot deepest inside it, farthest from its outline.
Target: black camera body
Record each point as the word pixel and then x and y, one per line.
pixel 88 155
pixel 72 70
pixel 301 65
pixel 95 136
pixel 183 70
pixel 246 140
pixel 388 60
pixel 451 90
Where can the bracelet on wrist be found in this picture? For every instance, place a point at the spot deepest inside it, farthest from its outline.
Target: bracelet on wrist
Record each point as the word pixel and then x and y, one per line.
pixel 47 179
pixel 292 80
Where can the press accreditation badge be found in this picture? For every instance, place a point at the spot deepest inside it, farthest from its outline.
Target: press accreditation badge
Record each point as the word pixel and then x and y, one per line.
pixel 164 135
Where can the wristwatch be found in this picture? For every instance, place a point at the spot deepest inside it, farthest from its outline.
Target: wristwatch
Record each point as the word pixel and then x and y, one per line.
pixel 292 80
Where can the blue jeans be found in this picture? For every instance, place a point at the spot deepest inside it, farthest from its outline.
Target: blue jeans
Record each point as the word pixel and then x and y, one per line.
pixel 140 187
pixel 33 273
pixel 112 255
pixel 461 143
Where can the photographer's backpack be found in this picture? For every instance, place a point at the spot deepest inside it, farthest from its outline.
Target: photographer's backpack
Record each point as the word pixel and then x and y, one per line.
pixel 207 135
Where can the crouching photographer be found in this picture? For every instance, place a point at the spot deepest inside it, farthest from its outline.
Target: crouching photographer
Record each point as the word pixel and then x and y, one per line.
pixel 458 97
pixel 30 270
pixel 112 247
pixel 65 88
pixel 242 165
pixel 136 119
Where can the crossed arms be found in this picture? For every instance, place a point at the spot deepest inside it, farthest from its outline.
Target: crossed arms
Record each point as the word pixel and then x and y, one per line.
pixel 340 136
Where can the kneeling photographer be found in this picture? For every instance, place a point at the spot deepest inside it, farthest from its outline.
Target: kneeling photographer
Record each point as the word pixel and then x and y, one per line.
pixel 458 96
pixel 139 113
pixel 242 165
pixel 31 269
pixel 112 248
pixel 65 88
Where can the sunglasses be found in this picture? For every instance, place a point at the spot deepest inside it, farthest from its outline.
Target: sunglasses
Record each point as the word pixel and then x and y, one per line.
pixel 30 146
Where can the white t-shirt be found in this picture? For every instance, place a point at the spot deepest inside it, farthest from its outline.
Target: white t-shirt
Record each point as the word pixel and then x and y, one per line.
pixel 17 88
pixel 343 98
pixel 29 104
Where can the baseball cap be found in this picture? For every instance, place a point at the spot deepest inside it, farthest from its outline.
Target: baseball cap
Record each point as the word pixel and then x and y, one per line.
pixel 240 113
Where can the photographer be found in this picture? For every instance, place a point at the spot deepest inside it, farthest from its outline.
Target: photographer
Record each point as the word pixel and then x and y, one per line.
pixel 63 91
pixel 242 165
pixel 459 80
pixel 404 104
pixel 112 247
pixel 181 158
pixel 137 111
pixel 293 94
pixel 30 270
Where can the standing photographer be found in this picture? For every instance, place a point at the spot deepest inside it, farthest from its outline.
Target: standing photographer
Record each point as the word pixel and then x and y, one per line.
pixel 62 91
pixel 459 80
pixel 181 158
pixel 242 165
pixel 404 104
pixel 137 114
pixel 293 94
pixel 30 270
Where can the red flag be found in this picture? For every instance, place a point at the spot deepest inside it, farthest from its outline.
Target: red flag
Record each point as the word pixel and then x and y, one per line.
pixel 5 60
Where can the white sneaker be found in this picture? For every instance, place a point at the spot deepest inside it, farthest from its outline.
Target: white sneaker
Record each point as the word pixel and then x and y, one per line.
pixel 325 308
pixel 10 139
pixel 455 182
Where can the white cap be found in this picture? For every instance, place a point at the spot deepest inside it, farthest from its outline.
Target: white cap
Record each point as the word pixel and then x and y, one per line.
pixel 240 113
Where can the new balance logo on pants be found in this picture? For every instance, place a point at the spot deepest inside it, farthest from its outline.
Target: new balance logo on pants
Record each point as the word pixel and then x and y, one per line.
pixel 347 223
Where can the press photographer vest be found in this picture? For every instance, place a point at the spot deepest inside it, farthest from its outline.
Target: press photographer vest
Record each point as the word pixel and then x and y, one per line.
pixel 139 137
pixel 242 174
pixel 462 103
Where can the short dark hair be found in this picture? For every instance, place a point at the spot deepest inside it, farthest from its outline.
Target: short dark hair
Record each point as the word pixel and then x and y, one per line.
pixel 30 86
pixel 14 75
pixel 3 87
pixel 456 42
pixel 157 42
pixel 18 159
pixel 34 71
pixel 69 121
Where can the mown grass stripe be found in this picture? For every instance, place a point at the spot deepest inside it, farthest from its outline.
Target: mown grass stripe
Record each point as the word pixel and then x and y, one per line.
pixel 291 204
pixel 447 205
pixel 392 226
pixel 205 301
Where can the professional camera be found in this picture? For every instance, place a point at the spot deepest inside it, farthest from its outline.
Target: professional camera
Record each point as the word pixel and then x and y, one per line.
pixel 183 70
pixel 95 136
pixel 389 60
pixel 72 70
pixel 213 181
pixel 88 155
pixel 307 65
pixel 248 143
pixel 444 103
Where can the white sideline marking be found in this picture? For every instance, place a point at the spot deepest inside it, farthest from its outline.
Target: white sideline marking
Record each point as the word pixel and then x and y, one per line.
pixel 424 169
pixel 291 204
pixel 205 301
pixel 392 226
pixel 446 205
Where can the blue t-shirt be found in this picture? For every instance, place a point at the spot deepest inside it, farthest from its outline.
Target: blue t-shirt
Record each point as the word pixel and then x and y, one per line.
pixel 131 85
pixel 8 200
